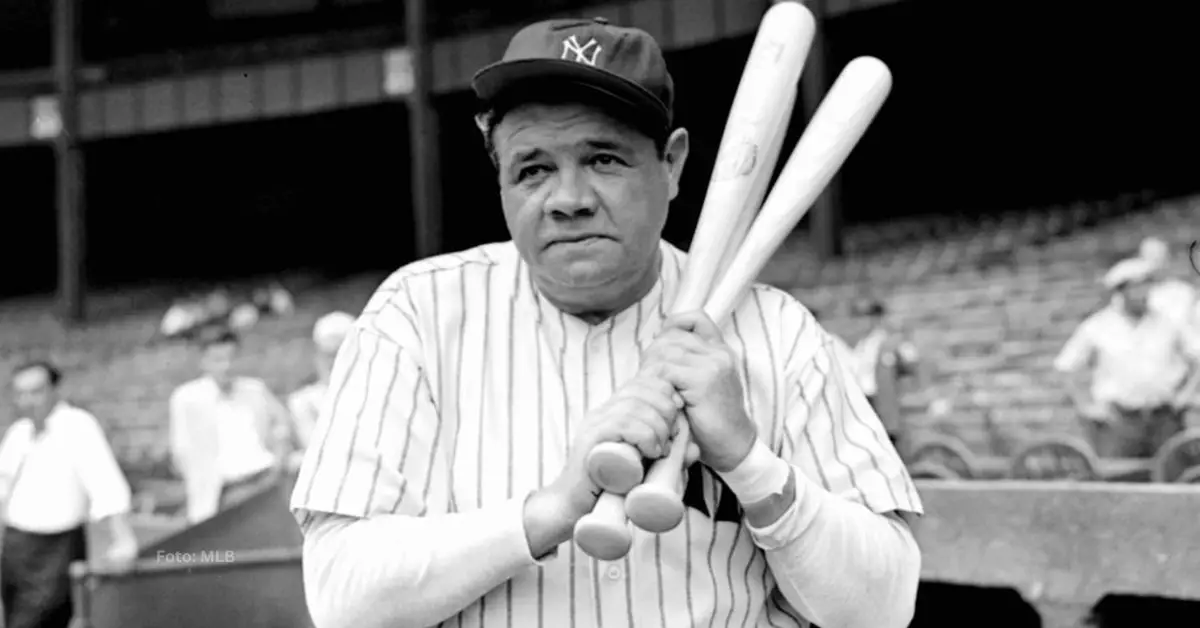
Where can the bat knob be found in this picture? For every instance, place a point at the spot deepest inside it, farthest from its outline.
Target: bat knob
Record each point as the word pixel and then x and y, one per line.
pixel 615 467
pixel 654 508
pixel 602 539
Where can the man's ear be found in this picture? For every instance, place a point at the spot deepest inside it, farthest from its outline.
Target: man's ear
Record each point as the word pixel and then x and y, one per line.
pixel 483 122
pixel 675 155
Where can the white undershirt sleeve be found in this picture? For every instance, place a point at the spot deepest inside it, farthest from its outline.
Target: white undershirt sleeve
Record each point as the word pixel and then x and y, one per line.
pixel 841 565
pixel 403 571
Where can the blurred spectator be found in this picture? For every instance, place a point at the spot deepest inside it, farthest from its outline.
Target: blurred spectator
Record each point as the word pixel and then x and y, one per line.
pixel 275 300
pixel 229 434
pixel 305 404
pixel 882 358
pixel 57 473
pixel 842 350
pixel 188 317
pixel 1169 295
pixel 1143 367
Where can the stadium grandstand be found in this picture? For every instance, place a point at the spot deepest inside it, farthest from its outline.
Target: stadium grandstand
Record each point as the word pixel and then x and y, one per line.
pixel 156 151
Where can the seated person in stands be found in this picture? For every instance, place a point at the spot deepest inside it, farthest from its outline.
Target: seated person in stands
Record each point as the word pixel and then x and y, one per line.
pixel 883 346
pixel 229 434
pixel 305 404
pixel 1171 296
pixel 843 350
pixel 1142 364
pixel 57 474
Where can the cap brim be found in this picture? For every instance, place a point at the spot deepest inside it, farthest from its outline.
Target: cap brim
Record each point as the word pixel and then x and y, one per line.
pixel 495 81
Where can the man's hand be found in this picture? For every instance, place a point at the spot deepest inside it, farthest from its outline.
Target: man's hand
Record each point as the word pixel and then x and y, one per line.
pixel 641 413
pixel 691 354
pixel 122 553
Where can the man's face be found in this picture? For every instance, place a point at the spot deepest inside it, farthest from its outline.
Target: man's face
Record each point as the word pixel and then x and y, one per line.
pixel 217 361
pixel 33 393
pixel 1136 296
pixel 585 198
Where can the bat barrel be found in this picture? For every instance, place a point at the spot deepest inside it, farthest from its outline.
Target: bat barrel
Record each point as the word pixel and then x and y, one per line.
pixel 838 124
pixel 773 68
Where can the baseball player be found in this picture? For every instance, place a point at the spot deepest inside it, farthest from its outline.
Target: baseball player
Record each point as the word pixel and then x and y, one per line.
pixel 447 469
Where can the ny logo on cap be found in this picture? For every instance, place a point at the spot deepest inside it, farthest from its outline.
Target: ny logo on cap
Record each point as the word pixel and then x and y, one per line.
pixel 583 54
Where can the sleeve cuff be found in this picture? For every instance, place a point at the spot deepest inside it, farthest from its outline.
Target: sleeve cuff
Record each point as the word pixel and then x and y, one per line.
pixel 514 536
pixel 794 521
pixel 773 537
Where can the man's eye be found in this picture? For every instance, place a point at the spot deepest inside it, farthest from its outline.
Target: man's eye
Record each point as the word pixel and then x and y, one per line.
pixel 530 171
pixel 607 160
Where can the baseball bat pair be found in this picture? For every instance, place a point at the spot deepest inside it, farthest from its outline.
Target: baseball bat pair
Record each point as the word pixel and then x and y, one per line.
pixel 731 245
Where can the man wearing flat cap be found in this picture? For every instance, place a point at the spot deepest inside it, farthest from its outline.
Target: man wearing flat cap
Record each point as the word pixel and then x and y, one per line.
pixel 1142 364
pixel 446 472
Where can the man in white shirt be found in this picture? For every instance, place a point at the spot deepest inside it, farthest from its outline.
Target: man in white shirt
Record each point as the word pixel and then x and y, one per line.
pixel 57 474
pixel 447 470
pixel 305 404
pixel 1142 365
pixel 229 434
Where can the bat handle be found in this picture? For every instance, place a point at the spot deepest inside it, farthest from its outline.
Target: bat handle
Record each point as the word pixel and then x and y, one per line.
pixel 615 467
pixel 656 505
pixel 604 533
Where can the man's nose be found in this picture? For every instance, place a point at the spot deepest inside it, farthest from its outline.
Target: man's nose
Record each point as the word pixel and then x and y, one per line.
pixel 572 196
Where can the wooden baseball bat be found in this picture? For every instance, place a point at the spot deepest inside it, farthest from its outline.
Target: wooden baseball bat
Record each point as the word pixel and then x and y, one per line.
pixel 766 89
pixel 836 127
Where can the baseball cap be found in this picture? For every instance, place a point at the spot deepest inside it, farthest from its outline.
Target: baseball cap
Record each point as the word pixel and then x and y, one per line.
pixel 331 329
pixel 621 64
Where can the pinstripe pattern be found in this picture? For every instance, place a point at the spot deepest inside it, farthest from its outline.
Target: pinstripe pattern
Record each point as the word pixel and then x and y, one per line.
pixel 461 388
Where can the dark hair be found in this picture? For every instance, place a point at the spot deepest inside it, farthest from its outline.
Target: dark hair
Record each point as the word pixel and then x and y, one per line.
pixel 52 371
pixel 217 335
pixel 492 112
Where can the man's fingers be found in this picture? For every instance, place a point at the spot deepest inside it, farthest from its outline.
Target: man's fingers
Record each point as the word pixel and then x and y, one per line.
pixel 696 322
pixel 683 378
pixel 657 393
pixel 681 342
pixel 645 424
pixel 643 437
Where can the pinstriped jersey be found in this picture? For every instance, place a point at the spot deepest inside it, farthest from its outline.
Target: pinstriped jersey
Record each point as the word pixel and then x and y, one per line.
pixel 462 387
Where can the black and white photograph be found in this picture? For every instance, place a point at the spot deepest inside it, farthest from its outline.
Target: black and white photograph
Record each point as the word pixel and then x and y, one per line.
pixel 586 314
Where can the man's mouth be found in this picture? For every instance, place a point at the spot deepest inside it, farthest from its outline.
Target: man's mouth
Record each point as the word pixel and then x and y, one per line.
pixel 581 239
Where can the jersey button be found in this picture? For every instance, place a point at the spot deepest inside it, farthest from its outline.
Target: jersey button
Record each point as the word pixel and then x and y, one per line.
pixel 614 573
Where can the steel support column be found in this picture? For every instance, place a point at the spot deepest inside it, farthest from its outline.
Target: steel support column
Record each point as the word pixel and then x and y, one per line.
pixel 423 125
pixel 69 165
pixel 826 216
